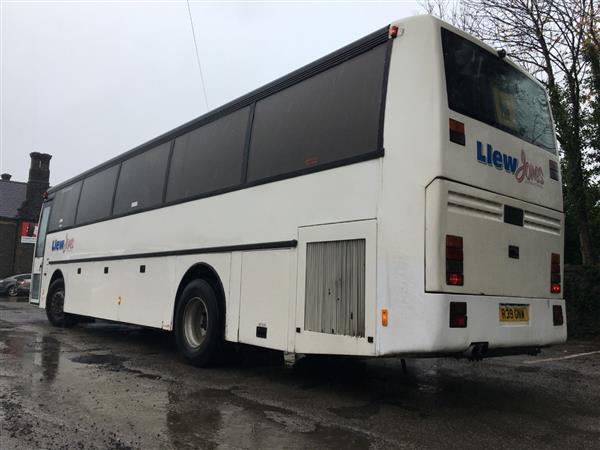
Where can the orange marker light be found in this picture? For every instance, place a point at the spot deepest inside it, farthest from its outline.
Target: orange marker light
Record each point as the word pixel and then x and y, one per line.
pixel 384 317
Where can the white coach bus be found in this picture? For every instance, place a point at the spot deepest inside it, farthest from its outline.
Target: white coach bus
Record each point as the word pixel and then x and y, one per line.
pixel 400 196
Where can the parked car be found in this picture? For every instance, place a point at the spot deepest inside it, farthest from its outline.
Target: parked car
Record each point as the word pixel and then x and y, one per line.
pixel 15 285
pixel 23 287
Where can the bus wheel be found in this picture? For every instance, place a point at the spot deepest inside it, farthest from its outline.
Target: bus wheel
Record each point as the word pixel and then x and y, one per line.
pixel 198 329
pixel 55 302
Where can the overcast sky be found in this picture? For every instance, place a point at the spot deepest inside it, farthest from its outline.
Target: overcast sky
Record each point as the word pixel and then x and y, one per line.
pixel 88 80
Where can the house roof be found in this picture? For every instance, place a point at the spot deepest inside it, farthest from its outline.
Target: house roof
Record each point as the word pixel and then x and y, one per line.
pixel 12 196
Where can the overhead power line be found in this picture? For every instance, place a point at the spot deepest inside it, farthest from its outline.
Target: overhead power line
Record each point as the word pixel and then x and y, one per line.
pixel 197 55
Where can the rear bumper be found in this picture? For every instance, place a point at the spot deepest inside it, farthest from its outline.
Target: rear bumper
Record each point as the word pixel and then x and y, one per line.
pixel 430 332
pixel 484 324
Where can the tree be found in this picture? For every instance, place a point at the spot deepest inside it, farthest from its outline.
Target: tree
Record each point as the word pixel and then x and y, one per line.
pixel 554 40
pixel 592 54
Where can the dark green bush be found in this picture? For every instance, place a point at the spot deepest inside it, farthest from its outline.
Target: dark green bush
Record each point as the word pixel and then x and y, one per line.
pixel 582 294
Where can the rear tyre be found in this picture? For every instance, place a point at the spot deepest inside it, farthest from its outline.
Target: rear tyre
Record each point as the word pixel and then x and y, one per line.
pixel 199 324
pixel 55 302
pixel 13 291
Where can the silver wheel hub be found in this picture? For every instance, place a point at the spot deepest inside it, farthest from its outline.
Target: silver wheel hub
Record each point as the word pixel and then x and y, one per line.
pixel 195 322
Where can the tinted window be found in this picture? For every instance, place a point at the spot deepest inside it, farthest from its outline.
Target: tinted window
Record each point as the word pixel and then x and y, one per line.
pixel 96 195
pixel 64 207
pixel 142 180
pixel 42 230
pixel 208 158
pixel 329 117
pixel 483 86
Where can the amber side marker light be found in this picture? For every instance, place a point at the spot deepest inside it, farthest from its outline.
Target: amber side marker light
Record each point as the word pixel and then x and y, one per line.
pixel 457 132
pixel 384 317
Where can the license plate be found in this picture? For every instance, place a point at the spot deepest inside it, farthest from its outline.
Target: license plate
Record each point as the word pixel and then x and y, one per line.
pixel 514 313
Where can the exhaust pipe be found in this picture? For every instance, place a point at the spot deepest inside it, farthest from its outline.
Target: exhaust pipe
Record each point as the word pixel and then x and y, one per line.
pixel 476 351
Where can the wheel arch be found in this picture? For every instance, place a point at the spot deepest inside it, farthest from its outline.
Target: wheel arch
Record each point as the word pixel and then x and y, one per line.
pixel 203 271
pixel 55 276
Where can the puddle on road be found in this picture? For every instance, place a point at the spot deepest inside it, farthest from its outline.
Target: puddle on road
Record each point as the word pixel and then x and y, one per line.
pixel 102 360
pixel 222 418
pixel 113 363
pixel 361 412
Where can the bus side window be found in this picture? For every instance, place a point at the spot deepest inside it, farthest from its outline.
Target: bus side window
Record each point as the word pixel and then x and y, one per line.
pixel 141 180
pixel 330 117
pixel 64 207
pixel 96 195
pixel 208 158
pixel 42 231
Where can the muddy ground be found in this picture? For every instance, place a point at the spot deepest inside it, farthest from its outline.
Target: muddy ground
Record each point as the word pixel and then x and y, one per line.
pixel 108 386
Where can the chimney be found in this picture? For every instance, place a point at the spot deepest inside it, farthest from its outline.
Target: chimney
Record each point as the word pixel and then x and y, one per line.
pixel 39 170
pixel 39 176
pixel 6 176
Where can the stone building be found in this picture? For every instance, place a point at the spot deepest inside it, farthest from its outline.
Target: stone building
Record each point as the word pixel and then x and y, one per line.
pixel 20 205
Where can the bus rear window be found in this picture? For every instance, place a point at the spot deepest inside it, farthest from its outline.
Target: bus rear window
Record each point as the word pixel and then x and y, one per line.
pixel 483 86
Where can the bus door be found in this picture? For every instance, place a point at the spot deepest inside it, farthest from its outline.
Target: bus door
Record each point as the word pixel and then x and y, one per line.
pixel 38 257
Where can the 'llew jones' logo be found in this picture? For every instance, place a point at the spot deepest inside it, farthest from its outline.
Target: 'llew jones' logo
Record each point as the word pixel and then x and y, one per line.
pixel 64 245
pixel 522 170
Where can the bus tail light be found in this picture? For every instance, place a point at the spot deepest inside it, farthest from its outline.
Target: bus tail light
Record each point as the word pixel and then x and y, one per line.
pixel 555 287
pixel 458 315
pixel 454 260
pixel 557 315
pixel 457 132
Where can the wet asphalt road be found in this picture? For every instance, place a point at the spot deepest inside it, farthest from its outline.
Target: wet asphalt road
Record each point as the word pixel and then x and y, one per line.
pixel 108 386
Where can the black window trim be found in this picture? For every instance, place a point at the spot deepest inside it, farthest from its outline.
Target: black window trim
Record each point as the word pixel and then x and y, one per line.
pixel 166 180
pixel 114 194
pixel 340 56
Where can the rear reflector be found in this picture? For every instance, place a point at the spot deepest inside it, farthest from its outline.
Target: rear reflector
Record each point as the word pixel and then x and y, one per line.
pixel 557 315
pixel 457 132
pixel 458 315
pixel 555 280
pixel 454 260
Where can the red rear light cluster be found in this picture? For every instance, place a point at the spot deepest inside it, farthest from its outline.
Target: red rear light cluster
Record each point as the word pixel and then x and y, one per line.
pixel 454 260
pixel 555 273
pixel 458 315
